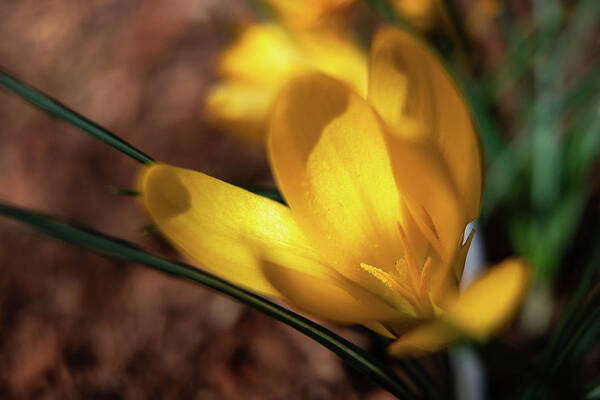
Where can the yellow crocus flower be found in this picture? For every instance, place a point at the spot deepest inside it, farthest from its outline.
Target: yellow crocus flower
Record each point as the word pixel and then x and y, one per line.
pixel 379 189
pixel 263 59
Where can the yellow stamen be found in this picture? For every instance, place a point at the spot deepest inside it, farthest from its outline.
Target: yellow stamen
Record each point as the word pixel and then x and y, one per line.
pixel 461 256
pixel 388 280
pixel 425 279
pixel 413 269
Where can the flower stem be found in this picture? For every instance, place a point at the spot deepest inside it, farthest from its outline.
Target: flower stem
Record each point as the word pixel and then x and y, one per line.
pixel 116 248
pixel 57 109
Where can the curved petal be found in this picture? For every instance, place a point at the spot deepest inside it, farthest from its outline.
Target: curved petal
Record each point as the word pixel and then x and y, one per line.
pixel 491 301
pixel 431 124
pixel 378 328
pixel 336 54
pixel 323 292
pixel 429 337
pixel 486 306
pixel 330 161
pixel 219 226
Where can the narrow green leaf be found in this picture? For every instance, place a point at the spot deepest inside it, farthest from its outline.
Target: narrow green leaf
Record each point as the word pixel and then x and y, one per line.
pixel 570 45
pixel 505 357
pixel 583 143
pixel 583 91
pixel 520 59
pixel 564 331
pixel 593 390
pixel 594 393
pixel 123 192
pixel 116 248
pixel 421 378
pixel 490 132
pixel 55 108
pixel 583 338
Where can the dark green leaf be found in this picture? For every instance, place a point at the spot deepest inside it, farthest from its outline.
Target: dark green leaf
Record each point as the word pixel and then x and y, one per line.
pixel 112 247
pixel 55 108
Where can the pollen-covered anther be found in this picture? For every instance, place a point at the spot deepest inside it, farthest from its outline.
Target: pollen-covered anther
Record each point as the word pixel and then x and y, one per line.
pixel 411 264
pixel 417 292
pixel 388 280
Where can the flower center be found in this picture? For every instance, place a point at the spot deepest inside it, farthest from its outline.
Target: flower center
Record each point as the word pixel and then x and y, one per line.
pixel 408 280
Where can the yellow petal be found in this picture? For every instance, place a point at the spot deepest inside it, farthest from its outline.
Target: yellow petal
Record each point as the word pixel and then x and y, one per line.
pixel 336 54
pixel 445 286
pixel 428 337
pixel 330 161
pixel 218 226
pixel 431 125
pixel 321 291
pixel 429 98
pixel 485 307
pixel 264 57
pixel 241 109
pixel 378 328
pixel 267 55
pixel 426 188
pixel 491 301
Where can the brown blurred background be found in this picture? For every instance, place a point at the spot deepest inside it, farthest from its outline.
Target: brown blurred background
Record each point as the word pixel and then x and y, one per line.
pixel 76 325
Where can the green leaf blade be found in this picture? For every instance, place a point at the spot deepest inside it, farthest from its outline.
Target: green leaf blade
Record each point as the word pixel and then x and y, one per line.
pixel 57 109
pixel 117 248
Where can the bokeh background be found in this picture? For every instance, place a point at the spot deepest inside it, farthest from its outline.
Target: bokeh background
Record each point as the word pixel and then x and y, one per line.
pixel 76 325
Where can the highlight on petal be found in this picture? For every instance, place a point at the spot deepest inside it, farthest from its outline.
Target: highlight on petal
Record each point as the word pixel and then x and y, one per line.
pixel 218 226
pixel 330 161
pixel 430 122
pixel 491 301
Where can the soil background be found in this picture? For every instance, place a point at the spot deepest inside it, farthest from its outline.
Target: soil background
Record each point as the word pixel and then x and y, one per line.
pixel 76 325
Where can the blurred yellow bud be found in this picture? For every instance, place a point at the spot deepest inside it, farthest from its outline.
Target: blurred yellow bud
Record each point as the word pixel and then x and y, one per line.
pixel 263 59
pixel 302 14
